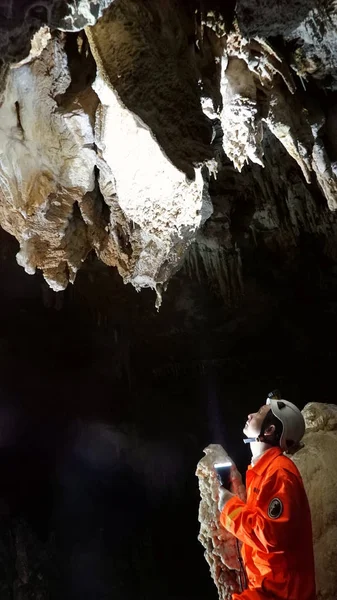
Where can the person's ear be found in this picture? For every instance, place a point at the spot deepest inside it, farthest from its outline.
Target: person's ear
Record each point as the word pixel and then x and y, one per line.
pixel 270 430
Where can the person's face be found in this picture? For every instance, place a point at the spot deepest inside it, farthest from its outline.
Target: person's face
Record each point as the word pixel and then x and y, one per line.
pixel 254 421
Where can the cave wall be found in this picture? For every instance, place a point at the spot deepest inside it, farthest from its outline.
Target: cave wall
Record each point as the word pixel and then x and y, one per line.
pixel 318 471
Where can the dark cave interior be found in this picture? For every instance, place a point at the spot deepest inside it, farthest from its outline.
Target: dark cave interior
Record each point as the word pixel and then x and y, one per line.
pixel 106 407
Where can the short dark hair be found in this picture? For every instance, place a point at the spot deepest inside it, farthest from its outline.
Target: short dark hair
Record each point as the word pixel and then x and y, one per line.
pixel 270 419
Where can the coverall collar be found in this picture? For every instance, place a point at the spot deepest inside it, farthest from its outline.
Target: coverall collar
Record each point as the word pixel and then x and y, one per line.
pixel 266 458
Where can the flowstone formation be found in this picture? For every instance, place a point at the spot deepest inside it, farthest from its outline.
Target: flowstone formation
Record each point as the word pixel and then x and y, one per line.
pixel 317 465
pixel 221 548
pixel 316 462
pixel 141 132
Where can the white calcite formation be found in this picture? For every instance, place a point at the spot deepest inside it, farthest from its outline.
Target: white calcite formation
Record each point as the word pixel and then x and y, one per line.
pixel 47 162
pixel 162 210
pixel 258 90
pixel 317 464
pixel 89 174
pixel 79 14
pixel 221 549
pixel 118 159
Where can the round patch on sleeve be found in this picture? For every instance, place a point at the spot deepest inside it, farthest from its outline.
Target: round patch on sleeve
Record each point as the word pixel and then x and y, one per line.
pixel 275 508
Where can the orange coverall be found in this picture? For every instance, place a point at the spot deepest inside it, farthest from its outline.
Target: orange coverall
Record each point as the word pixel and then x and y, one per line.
pixel 275 528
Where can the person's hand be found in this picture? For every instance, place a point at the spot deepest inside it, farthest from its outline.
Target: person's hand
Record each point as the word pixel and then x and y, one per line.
pixel 224 496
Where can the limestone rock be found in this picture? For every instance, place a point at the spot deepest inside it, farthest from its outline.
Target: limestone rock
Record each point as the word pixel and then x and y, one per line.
pixel 317 464
pixel 317 55
pixel 160 207
pixel 20 20
pixel 126 152
pixel 257 87
pixel 138 205
pixel 241 124
pixel 73 16
pixel 221 550
pixel 145 52
pixel 162 210
pixel 47 165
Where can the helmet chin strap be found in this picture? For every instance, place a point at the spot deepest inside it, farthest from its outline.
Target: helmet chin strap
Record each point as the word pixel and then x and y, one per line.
pixel 260 438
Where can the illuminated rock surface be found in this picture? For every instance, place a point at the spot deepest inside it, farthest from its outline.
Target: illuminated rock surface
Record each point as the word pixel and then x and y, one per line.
pixel 318 467
pixel 112 137
pixel 221 551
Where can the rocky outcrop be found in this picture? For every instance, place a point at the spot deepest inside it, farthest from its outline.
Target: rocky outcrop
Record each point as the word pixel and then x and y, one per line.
pixel 118 140
pixel 20 20
pixel 259 90
pixel 160 194
pixel 221 549
pixel 25 562
pixel 317 464
pixel 127 200
pixel 47 160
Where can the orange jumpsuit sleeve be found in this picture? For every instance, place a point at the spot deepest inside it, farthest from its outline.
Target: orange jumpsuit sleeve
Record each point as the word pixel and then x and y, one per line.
pixel 268 524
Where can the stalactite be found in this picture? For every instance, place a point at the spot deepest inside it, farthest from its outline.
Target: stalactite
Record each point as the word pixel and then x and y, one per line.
pixel 220 267
pixel 133 132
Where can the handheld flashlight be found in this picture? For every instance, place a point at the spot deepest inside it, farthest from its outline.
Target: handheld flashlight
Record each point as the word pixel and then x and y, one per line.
pixel 223 471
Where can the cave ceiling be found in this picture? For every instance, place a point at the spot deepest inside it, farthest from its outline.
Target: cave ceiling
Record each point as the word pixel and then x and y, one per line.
pixel 165 138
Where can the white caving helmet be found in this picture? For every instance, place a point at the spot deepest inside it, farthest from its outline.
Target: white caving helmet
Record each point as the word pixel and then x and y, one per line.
pixel 291 419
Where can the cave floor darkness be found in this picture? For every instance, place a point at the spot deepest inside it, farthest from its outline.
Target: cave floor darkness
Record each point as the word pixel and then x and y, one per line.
pixel 106 407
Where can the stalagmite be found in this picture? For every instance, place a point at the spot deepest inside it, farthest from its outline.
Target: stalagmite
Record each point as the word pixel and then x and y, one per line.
pixel 221 549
